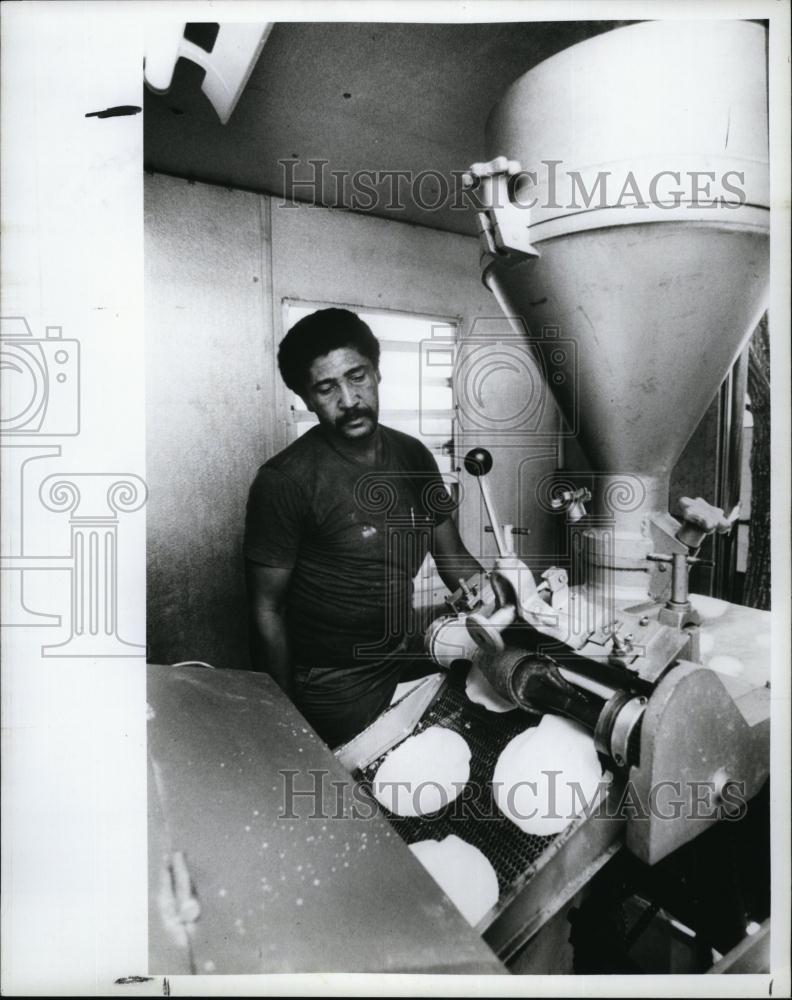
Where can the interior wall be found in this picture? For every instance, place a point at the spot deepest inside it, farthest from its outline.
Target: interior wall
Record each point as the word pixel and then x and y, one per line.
pixel 208 408
pixel 219 264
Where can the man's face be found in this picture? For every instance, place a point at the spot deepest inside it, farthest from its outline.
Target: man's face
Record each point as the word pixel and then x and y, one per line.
pixel 343 391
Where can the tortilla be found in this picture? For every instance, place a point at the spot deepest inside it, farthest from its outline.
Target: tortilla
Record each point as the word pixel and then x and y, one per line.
pixel 731 666
pixel 709 607
pixel 546 776
pixel 462 872
pixel 481 692
pixel 423 774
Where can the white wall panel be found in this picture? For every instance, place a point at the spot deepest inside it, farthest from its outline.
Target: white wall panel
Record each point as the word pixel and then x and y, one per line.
pixel 209 388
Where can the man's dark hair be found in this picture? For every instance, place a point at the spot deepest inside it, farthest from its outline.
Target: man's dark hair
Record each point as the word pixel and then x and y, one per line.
pixel 316 335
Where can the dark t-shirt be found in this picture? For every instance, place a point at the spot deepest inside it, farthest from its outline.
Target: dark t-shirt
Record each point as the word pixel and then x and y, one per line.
pixel 354 537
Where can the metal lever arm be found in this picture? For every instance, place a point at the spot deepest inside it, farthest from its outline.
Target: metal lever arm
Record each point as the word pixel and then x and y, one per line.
pixel 478 462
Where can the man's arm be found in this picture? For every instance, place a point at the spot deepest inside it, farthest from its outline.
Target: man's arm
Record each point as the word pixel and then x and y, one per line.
pixel 451 557
pixel 269 644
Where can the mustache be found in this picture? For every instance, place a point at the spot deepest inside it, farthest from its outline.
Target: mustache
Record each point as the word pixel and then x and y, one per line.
pixel 356 414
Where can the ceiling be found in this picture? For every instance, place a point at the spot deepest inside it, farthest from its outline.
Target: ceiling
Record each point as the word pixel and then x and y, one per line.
pixel 361 96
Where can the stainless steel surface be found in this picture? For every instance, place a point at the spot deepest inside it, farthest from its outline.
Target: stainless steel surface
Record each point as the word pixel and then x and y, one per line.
pixel 312 893
pixel 622 102
pixel 654 646
pixel 570 862
pixel 624 729
pixel 692 734
pixel 391 727
pixel 742 635
pixel 750 956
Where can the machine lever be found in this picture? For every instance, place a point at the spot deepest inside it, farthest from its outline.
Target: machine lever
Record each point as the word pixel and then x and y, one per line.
pixel 700 519
pixel 478 462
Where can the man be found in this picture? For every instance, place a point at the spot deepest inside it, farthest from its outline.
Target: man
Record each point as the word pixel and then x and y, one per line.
pixel 338 524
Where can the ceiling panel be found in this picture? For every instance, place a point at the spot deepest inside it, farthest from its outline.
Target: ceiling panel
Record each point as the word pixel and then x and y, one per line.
pixel 363 97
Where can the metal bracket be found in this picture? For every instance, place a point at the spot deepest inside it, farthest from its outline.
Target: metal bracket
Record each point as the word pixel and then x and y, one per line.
pixel 503 225
pixel 556 581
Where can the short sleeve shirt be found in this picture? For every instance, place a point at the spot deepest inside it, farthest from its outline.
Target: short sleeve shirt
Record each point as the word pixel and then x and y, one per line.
pixel 354 537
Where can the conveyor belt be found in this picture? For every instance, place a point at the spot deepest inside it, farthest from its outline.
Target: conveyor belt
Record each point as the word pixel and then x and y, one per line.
pixel 477 820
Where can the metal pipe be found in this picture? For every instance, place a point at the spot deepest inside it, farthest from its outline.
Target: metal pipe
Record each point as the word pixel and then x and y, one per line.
pixel 492 515
pixel 604 691
pixel 679 580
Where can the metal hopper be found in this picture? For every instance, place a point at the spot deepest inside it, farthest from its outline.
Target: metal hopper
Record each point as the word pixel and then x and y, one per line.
pixel 627 210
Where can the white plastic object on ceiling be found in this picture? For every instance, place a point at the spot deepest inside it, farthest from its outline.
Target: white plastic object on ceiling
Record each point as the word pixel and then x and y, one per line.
pixel 228 66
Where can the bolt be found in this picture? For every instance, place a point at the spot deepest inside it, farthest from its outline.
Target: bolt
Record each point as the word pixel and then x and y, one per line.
pixel 644 621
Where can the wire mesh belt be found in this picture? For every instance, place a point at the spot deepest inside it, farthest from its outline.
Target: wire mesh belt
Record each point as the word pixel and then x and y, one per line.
pixel 474 816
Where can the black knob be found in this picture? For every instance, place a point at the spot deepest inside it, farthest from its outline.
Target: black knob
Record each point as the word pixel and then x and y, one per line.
pixel 478 462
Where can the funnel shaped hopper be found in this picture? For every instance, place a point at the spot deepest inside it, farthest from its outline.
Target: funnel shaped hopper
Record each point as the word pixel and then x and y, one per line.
pixel 645 190
pixel 657 313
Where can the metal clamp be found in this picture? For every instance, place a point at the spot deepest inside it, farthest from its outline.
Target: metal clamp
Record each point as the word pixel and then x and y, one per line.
pixel 573 502
pixel 503 225
pixel 618 728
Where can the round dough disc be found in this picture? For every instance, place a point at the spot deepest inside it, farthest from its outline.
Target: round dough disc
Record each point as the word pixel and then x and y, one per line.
pixel 709 607
pixel 423 774
pixel 481 692
pixel 724 664
pixel 462 872
pixel 546 776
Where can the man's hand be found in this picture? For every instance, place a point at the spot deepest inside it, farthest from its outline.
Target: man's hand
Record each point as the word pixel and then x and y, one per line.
pixel 269 644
